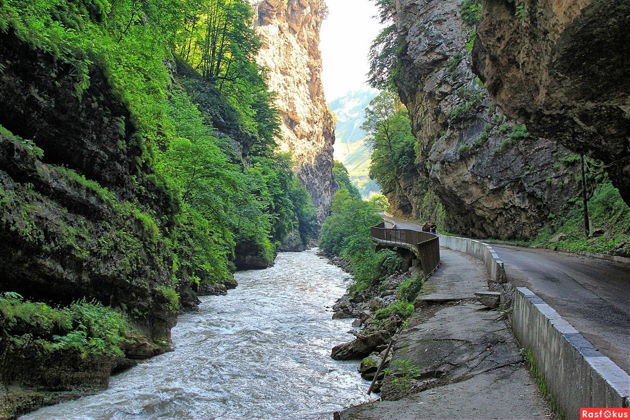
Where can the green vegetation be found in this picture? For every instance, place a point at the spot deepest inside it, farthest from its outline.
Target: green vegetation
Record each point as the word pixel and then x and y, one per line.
pixel 409 289
pixel 27 144
pixel 463 149
pixel 406 294
pixel 470 11
pixel 400 308
pixel 471 38
pixel 530 361
pixel 346 233
pixel 342 179
pixel 471 98
pixel 514 132
pixel 521 12
pixel 87 329
pixel 453 63
pixel 171 296
pixel 389 135
pixel 386 50
pixel 607 211
pixel 225 202
pixel 395 152
pixel 403 373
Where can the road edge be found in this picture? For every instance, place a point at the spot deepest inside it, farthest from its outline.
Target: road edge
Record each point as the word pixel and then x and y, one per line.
pixel 613 258
pixel 578 375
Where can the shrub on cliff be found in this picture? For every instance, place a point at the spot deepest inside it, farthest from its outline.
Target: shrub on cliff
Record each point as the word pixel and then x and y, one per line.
pixel 342 179
pixel 222 200
pixel 40 332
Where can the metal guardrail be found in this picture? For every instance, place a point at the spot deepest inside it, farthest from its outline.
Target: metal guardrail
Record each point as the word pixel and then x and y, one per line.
pixel 426 244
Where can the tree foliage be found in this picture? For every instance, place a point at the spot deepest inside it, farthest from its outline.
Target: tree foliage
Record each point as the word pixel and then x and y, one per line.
pixel 219 42
pixel 389 134
pixel 346 233
pixel 342 179
pixel 387 49
pixel 225 200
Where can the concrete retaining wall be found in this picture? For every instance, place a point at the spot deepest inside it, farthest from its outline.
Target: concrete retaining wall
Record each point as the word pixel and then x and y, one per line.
pixel 577 374
pixel 479 250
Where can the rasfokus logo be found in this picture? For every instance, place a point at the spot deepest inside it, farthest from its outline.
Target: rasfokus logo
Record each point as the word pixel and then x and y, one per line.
pixel 604 413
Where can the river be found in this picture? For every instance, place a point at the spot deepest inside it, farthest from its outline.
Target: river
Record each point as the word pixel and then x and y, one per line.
pixel 262 351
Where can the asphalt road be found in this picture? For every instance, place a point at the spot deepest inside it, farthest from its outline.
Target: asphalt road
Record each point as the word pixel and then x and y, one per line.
pixel 592 294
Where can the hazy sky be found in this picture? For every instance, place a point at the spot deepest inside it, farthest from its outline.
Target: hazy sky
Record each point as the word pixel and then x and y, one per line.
pixel 345 41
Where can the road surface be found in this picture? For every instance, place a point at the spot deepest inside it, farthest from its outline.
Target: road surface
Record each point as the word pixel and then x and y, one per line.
pixel 590 293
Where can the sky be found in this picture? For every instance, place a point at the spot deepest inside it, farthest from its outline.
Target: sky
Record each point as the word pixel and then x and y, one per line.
pixel 345 42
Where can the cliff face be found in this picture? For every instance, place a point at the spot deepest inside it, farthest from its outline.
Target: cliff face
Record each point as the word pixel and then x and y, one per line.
pixel 562 67
pixel 493 178
pixel 289 32
pixel 63 236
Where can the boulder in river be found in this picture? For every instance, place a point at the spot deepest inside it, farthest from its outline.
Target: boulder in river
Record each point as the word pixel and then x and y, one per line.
pixel 360 347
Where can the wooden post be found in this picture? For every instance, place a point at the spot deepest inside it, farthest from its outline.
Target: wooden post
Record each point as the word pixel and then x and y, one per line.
pixel 378 371
pixel 587 222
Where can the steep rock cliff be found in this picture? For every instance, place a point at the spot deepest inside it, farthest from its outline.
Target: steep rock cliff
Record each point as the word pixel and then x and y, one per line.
pixel 289 32
pixel 490 184
pixel 78 219
pixel 562 67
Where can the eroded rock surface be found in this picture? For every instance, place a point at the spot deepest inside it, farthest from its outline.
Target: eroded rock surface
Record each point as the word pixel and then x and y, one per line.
pixel 62 236
pixel 562 67
pixel 289 32
pixel 455 359
pixel 493 178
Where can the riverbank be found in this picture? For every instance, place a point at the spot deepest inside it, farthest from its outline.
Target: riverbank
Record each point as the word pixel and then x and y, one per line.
pixel 455 358
pixel 232 357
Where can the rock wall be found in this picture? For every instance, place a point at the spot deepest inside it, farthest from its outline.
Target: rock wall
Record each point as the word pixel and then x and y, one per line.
pixel 289 32
pixel 63 236
pixel 562 67
pixel 493 178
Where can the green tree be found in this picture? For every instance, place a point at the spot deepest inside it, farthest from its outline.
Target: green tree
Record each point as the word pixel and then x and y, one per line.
pixel 342 179
pixel 219 41
pixel 386 50
pixel 389 135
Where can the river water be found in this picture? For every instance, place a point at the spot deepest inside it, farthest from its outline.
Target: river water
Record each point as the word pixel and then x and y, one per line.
pixel 262 351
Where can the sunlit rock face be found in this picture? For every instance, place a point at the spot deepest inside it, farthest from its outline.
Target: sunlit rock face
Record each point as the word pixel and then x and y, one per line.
pixel 564 68
pixel 493 179
pixel 289 32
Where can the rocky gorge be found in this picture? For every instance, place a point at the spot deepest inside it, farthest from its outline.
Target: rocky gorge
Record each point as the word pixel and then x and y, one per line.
pixel 100 249
pixel 289 32
pixel 562 68
pixel 493 177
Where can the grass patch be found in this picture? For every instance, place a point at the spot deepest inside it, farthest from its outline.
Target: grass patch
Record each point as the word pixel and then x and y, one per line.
pixel 470 11
pixel 607 210
pixel 401 308
pixel 172 297
pixel 403 373
pixel 471 100
pixel 538 377
pixel 409 289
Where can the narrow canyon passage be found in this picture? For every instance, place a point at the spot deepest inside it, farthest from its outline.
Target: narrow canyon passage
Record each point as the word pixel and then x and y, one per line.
pixel 261 351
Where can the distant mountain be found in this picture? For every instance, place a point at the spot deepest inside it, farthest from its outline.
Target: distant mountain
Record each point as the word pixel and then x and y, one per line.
pixel 350 146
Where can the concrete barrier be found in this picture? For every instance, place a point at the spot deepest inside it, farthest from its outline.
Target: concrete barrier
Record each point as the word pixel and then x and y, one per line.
pixel 479 250
pixel 577 374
